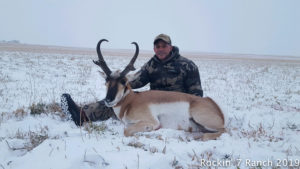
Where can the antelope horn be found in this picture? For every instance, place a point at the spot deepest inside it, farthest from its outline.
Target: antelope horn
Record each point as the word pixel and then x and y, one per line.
pixel 100 62
pixel 130 66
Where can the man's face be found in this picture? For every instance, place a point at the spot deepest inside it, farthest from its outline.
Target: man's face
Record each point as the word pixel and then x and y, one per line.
pixel 162 49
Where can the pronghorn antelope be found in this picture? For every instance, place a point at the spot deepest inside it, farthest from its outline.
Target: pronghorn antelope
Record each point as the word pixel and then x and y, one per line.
pixel 151 110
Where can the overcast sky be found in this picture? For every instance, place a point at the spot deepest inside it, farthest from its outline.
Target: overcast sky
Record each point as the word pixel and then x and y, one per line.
pixel 227 26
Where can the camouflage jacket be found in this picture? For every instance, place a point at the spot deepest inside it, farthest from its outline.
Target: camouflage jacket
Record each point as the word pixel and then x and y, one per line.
pixel 177 73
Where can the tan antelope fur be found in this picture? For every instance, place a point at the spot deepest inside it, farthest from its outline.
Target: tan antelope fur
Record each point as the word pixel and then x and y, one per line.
pixel 151 110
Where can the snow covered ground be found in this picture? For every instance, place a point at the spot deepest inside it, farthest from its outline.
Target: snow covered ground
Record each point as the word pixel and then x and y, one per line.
pixel 260 98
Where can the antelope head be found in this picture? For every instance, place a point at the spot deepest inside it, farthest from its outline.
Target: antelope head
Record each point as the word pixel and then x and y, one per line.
pixel 117 84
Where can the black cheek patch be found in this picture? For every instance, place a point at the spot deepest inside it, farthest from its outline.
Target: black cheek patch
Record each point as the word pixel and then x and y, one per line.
pixel 125 89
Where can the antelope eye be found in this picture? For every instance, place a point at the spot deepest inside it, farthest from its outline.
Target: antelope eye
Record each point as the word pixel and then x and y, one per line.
pixel 122 81
pixel 107 79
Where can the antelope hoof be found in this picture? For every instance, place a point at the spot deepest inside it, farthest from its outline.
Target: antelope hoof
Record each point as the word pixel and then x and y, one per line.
pixel 148 128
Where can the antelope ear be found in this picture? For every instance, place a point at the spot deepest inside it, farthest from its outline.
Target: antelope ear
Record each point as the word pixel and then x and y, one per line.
pixel 132 77
pixel 103 74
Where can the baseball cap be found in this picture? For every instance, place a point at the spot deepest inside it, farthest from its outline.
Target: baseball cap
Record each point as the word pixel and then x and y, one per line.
pixel 164 38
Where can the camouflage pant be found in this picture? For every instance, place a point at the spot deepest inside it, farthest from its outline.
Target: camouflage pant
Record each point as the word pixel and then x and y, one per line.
pixel 98 111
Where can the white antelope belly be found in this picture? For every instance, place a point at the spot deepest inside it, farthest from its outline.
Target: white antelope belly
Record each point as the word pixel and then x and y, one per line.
pixel 172 115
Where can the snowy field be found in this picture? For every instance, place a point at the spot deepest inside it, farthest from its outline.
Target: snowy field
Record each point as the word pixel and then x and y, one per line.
pixel 260 98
